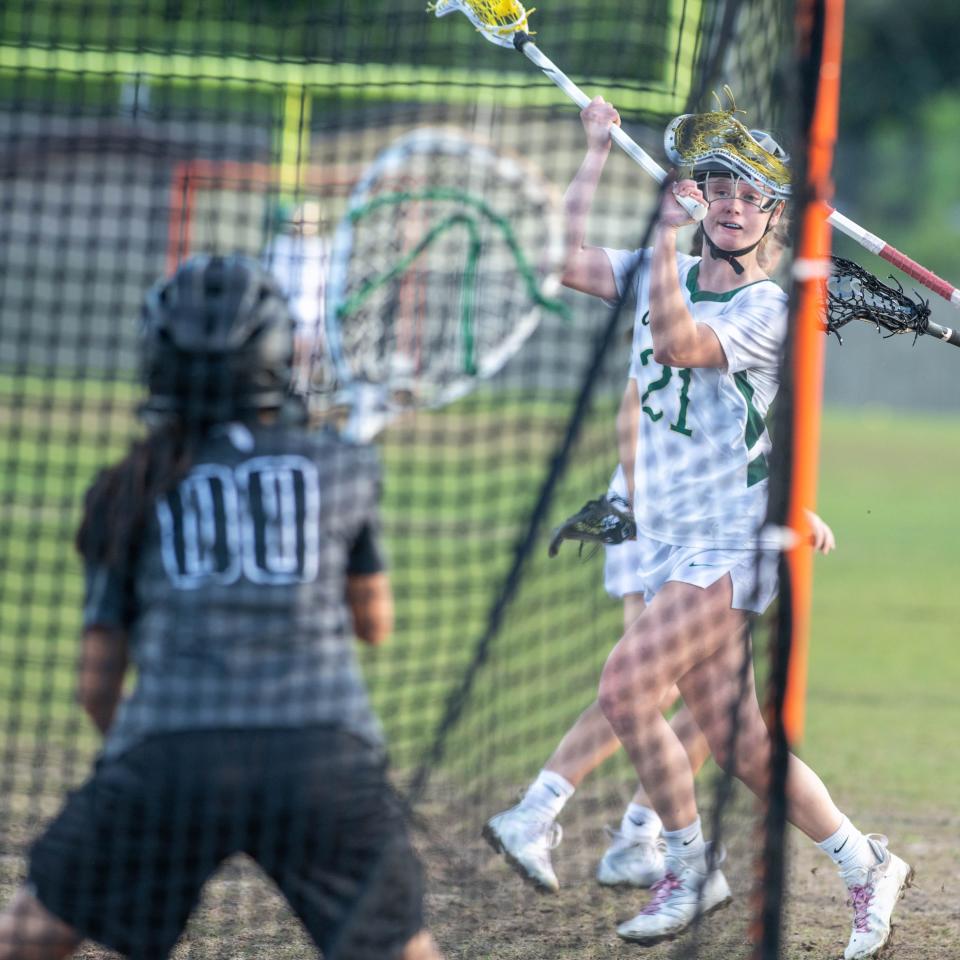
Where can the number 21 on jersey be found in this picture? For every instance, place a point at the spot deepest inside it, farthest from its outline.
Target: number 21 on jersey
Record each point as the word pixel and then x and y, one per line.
pixel 684 374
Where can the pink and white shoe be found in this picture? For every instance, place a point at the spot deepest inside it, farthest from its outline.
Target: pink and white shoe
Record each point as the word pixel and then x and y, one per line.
pixel 685 892
pixel 874 893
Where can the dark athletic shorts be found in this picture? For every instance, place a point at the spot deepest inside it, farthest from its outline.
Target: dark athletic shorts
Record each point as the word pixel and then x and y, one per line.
pixel 125 860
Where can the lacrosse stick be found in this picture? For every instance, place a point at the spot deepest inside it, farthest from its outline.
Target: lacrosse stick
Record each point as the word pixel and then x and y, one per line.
pixel 692 138
pixel 855 294
pixel 439 270
pixel 504 22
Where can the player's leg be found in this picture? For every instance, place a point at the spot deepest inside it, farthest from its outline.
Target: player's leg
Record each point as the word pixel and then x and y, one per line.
pixel 583 748
pixel 591 740
pixel 528 832
pixel 421 946
pixel 635 856
pixel 116 864
pixel 681 627
pixel 29 931
pixel 874 876
pixel 717 687
pixel 335 840
pixel 704 650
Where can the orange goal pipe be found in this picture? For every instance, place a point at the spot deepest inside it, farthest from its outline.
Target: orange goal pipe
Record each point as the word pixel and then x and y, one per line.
pixel 811 271
pixel 187 177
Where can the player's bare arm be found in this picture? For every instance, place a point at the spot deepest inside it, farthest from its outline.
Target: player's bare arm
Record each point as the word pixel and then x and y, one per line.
pixel 100 673
pixel 627 417
pixel 587 268
pixel 678 340
pixel 370 598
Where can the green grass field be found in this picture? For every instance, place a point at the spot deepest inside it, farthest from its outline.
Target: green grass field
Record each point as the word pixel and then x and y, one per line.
pixel 883 717
pixel 882 711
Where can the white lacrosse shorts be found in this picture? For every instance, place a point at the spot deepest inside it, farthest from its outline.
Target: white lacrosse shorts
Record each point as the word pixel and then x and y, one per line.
pixel 644 565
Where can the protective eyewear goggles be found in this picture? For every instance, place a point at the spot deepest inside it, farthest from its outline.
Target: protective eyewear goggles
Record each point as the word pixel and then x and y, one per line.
pixel 722 185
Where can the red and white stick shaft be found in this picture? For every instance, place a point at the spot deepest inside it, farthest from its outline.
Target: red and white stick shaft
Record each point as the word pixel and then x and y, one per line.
pixel 892 255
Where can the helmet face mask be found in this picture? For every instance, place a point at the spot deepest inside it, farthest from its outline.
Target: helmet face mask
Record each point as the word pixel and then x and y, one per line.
pixel 716 182
pixel 216 341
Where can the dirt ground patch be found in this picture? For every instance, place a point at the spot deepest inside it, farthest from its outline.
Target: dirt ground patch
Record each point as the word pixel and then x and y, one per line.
pixel 491 913
pixel 479 910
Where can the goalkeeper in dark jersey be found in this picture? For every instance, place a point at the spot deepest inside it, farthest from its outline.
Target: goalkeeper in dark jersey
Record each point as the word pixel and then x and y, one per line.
pixel 231 556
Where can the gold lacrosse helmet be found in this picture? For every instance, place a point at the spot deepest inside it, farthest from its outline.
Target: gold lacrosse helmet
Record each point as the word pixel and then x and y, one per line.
pixel 716 141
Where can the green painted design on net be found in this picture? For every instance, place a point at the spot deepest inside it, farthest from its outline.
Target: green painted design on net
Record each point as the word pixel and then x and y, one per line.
pixel 474 251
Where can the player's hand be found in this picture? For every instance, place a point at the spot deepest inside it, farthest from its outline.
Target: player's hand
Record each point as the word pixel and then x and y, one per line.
pixel 671 213
pixel 821 536
pixel 597 118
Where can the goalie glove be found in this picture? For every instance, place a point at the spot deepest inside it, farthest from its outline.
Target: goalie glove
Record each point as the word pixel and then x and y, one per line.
pixel 604 520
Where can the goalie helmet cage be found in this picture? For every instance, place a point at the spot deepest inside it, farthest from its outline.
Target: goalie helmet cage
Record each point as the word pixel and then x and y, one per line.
pixel 134 139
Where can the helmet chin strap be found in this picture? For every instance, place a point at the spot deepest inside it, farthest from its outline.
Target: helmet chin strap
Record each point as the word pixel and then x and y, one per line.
pixel 729 255
pixel 717 253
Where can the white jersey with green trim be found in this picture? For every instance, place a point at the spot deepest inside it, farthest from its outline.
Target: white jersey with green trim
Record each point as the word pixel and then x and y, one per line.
pixel 702 446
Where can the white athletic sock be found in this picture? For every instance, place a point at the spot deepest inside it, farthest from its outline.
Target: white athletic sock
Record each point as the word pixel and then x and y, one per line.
pixel 640 823
pixel 548 793
pixel 848 848
pixel 687 844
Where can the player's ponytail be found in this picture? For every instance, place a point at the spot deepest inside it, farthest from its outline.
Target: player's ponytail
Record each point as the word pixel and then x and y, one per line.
pixel 116 506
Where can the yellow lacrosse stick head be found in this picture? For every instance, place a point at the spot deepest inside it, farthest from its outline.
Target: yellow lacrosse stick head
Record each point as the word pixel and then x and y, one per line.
pixel 498 20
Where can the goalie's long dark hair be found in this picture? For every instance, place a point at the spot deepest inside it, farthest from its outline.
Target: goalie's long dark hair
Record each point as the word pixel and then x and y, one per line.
pixel 116 505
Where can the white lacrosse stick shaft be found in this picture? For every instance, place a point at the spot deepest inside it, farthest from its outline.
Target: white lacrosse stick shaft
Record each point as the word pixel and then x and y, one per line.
pixel 623 140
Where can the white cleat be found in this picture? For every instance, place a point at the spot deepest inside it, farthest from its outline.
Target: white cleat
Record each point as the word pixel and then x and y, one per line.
pixel 874 893
pixel 525 838
pixel 685 892
pixel 631 863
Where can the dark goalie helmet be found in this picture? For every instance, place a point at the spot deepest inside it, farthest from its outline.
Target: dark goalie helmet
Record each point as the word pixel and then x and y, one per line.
pixel 216 340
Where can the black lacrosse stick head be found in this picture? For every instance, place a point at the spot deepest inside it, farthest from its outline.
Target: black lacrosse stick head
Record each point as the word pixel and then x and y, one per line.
pixel 604 520
pixel 855 294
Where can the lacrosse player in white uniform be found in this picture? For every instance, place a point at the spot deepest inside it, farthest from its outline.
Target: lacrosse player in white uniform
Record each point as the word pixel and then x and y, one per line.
pixel 704 369
pixel 528 832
